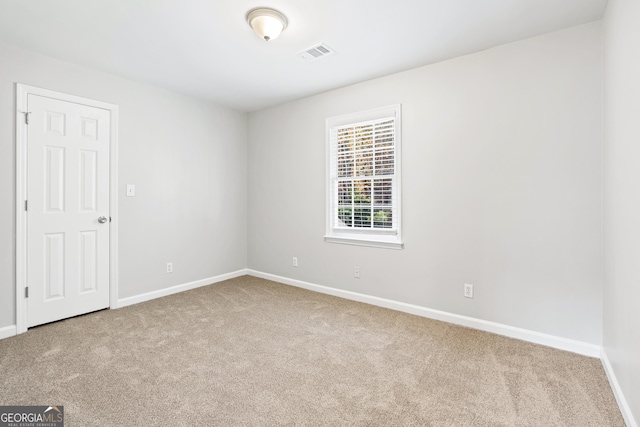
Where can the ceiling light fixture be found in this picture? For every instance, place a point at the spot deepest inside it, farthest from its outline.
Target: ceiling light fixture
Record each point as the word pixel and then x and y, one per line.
pixel 267 23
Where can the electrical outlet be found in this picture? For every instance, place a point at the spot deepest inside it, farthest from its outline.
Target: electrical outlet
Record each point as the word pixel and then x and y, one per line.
pixel 169 267
pixel 295 261
pixel 356 272
pixel 468 290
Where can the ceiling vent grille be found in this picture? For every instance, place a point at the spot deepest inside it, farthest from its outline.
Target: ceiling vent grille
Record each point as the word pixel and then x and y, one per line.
pixel 316 52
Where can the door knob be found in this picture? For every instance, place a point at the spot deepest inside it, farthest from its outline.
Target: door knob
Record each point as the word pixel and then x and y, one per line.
pixel 102 219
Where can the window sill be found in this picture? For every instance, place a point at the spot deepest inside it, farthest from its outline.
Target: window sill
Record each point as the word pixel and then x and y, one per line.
pixel 385 244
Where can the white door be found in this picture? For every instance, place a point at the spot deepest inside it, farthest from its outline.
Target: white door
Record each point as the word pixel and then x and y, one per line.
pixel 68 209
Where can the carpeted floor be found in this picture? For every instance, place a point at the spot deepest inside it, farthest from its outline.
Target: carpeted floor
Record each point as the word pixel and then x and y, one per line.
pixel 250 352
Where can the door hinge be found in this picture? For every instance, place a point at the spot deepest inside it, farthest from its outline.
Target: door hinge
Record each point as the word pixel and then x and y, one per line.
pixel 26 292
pixel 26 205
pixel 26 117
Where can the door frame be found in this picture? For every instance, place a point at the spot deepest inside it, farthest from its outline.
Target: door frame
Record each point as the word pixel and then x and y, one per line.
pixel 22 91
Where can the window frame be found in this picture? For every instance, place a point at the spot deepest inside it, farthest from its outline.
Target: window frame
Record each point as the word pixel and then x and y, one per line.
pixel 373 237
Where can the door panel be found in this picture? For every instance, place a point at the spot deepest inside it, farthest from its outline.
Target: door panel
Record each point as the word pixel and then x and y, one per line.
pixel 88 261
pixel 67 191
pixel 54 261
pixel 54 179
pixel 88 181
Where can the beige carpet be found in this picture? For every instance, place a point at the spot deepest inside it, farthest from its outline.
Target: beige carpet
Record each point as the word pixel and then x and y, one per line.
pixel 251 352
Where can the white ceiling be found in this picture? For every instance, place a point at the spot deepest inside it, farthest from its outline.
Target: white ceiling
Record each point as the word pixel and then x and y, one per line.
pixel 205 48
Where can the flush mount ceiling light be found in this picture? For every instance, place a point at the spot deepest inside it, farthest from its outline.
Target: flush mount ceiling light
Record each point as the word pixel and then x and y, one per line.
pixel 267 23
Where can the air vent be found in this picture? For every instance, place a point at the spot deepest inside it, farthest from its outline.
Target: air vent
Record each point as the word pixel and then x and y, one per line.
pixel 316 52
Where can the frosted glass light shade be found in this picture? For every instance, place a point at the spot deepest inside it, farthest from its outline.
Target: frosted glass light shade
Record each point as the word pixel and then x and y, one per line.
pixel 267 23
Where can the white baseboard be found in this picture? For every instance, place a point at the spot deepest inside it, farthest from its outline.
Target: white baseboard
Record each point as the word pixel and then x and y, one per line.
pixel 579 347
pixel 617 391
pixel 179 288
pixel 8 331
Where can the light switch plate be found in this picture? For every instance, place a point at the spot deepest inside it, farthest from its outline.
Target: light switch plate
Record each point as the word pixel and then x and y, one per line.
pixel 131 190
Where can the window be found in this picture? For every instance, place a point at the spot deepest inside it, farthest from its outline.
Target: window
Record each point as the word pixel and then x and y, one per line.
pixel 364 178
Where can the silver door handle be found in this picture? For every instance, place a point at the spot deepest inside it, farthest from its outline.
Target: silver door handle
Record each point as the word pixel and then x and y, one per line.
pixel 102 219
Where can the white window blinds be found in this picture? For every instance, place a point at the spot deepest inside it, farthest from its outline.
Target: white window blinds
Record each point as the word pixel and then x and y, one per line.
pixel 364 177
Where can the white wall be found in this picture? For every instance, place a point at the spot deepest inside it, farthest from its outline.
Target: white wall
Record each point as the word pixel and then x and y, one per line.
pixel 501 187
pixel 186 157
pixel 622 196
